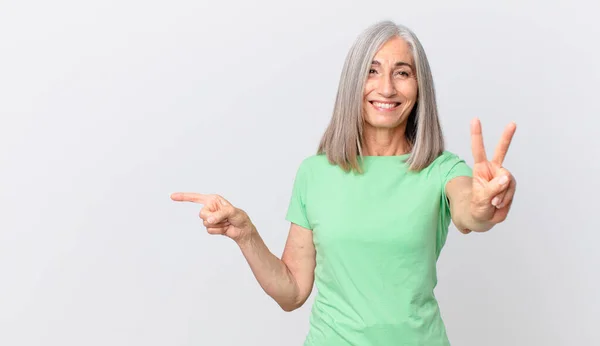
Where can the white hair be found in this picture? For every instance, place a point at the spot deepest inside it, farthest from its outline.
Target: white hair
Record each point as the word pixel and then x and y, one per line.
pixel 342 140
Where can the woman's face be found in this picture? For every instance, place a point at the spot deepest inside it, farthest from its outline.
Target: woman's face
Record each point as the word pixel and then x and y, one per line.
pixel 391 88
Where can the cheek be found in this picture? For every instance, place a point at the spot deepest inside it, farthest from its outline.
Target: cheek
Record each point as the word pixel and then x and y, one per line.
pixel 369 86
pixel 409 89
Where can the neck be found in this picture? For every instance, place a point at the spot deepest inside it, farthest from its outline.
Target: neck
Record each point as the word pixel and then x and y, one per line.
pixel 385 141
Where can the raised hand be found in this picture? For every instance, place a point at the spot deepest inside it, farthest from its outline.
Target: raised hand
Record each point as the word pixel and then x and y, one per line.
pixel 219 216
pixel 493 185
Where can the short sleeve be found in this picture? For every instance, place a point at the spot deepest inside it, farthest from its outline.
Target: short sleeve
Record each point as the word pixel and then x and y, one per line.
pixel 296 212
pixel 454 167
pixel 451 167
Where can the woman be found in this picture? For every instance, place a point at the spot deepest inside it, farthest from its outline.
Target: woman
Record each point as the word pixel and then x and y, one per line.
pixel 370 210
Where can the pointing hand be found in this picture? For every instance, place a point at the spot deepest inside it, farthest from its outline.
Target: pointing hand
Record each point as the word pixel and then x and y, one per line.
pixel 219 216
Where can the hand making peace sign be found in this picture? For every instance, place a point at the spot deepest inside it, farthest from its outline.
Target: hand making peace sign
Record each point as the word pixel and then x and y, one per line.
pixel 493 185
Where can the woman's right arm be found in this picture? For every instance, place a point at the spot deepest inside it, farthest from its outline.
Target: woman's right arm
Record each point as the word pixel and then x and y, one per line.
pixel 289 280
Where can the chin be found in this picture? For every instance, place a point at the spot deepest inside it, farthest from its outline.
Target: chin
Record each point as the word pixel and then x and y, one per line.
pixel 386 122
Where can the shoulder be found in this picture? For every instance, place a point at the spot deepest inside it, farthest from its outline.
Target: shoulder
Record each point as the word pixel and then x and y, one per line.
pixel 314 159
pixel 450 165
pixel 313 162
pixel 446 160
pixel 307 169
pixel 446 157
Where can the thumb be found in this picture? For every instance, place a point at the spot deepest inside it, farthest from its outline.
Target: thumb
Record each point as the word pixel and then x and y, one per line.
pixel 218 216
pixel 497 185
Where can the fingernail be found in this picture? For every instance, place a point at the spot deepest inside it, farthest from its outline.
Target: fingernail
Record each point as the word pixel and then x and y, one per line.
pixel 211 219
pixel 503 180
pixel 495 201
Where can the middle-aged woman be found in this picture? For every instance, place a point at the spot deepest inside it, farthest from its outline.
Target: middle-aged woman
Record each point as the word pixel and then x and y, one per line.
pixel 370 211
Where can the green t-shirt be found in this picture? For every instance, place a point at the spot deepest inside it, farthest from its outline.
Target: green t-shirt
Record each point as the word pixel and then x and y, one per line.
pixel 378 236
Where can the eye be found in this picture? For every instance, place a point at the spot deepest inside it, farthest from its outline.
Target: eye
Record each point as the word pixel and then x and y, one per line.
pixel 372 71
pixel 403 74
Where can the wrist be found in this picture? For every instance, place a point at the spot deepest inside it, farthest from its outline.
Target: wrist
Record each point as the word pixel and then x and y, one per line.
pixel 247 236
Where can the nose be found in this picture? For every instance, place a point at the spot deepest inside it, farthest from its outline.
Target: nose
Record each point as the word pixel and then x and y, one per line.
pixel 386 87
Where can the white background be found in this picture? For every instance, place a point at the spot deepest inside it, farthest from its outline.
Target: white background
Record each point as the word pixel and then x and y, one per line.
pixel 109 106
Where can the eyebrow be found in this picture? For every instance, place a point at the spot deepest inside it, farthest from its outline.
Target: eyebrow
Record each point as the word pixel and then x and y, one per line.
pixel 398 64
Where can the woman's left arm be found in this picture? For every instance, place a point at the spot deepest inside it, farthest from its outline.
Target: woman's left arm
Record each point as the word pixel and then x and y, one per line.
pixel 480 202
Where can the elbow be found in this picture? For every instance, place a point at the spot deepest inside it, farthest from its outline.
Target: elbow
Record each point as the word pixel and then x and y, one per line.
pixel 462 227
pixel 466 226
pixel 289 307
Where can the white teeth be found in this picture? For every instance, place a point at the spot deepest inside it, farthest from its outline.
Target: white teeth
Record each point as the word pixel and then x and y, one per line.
pixel 384 105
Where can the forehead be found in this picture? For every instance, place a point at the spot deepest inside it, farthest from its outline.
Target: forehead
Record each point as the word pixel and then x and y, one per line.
pixel 394 50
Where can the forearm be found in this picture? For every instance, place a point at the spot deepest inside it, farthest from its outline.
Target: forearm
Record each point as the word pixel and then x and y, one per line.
pixel 272 273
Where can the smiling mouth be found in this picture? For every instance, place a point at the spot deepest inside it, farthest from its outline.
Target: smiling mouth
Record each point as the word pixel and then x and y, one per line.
pixel 385 106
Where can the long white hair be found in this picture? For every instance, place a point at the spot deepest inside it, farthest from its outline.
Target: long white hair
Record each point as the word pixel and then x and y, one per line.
pixel 342 140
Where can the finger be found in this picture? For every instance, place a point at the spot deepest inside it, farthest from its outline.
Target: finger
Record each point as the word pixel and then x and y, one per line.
pixel 502 147
pixel 216 225
pixel 501 185
pixel 224 202
pixel 498 185
pixel 510 194
pixel 477 141
pixel 499 198
pixel 216 230
pixel 204 213
pixel 189 197
pixel 218 216
pixel 212 217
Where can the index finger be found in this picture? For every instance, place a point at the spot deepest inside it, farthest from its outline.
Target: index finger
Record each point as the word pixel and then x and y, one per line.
pixel 189 197
pixel 477 141
pixel 504 143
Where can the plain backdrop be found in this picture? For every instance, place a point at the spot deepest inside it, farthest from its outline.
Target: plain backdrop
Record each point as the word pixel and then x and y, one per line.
pixel 109 106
